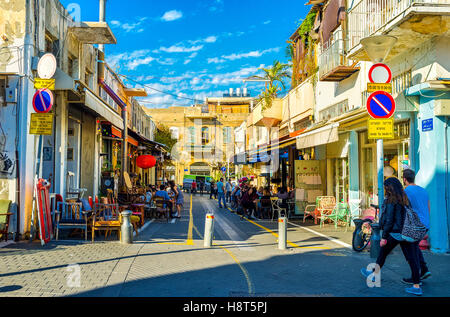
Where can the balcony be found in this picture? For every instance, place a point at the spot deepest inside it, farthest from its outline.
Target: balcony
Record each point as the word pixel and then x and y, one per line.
pixel 411 21
pixel 270 117
pixel 333 63
pixel 93 33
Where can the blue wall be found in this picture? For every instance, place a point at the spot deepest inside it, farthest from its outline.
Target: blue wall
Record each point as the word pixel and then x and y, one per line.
pixel 429 163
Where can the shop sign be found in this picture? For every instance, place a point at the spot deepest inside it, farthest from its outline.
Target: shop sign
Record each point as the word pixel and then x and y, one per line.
pixel 42 83
pixel 41 124
pixel 371 88
pixel 427 125
pixel 380 129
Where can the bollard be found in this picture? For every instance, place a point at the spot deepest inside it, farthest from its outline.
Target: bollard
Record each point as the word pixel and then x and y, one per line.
pixel 126 228
pixel 375 241
pixel 209 230
pixel 282 233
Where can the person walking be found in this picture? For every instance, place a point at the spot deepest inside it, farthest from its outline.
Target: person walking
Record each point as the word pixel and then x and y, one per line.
pixel 211 190
pixel 221 193
pixel 179 198
pixel 228 189
pixel 201 187
pixel 420 203
pixel 194 187
pixel 391 222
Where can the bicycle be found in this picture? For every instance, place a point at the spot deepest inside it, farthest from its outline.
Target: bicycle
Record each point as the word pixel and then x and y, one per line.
pixel 363 230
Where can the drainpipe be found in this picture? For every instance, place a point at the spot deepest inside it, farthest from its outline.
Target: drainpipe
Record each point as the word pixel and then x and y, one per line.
pixel 102 15
pixel 446 175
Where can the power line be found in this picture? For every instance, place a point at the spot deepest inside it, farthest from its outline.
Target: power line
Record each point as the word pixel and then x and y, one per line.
pixel 160 91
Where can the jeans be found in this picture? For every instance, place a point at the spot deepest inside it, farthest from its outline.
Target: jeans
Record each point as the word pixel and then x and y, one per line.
pixel 409 251
pixel 222 198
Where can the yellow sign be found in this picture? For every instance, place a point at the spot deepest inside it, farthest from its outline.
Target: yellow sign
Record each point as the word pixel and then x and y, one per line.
pixel 371 88
pixel 41 124
pixel 380 129
pixel 40 83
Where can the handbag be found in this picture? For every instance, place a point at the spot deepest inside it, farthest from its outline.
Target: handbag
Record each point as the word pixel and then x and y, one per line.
pixel 413 229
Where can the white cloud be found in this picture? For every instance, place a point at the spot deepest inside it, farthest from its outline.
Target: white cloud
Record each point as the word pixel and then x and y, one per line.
pixel 267 22
pixel 181 49
pixel 172 15
pixel 129 26
pixel 234 56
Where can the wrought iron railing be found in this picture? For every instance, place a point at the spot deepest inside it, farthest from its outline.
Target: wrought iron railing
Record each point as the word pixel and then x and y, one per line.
pixel 367 17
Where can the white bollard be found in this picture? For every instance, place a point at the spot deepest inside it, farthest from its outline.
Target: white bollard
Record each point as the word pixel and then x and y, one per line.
pixel 209 230
pixel 282 233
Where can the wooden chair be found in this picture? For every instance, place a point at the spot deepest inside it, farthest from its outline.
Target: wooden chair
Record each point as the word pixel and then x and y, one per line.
pixel 5 208
pixel 324 205
pixel 162 207
pixel 106 217
pixel 71 216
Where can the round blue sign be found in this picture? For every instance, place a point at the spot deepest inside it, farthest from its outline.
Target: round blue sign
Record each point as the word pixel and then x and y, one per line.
pixel 381 105
pixel 43 101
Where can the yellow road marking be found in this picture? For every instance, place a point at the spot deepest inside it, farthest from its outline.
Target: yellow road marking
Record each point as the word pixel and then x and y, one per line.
pixel 276 235
pixel 190 240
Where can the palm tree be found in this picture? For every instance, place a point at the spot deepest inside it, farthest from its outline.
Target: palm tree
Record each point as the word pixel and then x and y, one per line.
pixel 274 75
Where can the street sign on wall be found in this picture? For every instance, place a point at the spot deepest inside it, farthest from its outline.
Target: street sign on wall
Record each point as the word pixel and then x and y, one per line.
pixel 43 101
pixel 380 129
pixel 381 105
pixel 427 125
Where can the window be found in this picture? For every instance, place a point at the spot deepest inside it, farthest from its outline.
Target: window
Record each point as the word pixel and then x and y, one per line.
pixel 227 135
pixel 52 46
pixel 174 132
pixel 205 135
pixel 334 111
pixel 190 135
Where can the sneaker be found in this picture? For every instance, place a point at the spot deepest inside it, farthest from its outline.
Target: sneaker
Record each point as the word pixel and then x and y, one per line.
pixel 366 273
pixel 409 281
pixel 425 276
pixel 414 291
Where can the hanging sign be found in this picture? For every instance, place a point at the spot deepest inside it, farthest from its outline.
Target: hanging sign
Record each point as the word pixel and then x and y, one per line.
pixel 380 129
pixel 380 74
pixel 43 101
pixel 41 124
pixel 381 105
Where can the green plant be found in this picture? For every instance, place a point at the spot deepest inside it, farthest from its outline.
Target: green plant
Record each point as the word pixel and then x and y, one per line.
pixel 275 76
pixel 163 135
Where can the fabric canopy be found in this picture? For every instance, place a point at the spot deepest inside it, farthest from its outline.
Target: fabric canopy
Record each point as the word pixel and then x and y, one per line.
pixel 325 135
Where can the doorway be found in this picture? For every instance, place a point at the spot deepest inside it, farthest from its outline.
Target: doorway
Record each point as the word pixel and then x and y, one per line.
pixel 73 154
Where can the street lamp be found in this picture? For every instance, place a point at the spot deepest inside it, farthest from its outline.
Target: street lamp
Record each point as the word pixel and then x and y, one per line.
pixel 378 48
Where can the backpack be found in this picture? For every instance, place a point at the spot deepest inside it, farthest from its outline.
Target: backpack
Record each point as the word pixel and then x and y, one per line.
pixel 413 229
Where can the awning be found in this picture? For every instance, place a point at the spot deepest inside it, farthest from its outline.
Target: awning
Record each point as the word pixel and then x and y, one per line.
pixel 132 141
pixel 112 94
pixel 102 109
pixel 321 136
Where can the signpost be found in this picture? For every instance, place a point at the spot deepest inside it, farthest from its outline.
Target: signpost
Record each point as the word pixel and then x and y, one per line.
pixel 42 124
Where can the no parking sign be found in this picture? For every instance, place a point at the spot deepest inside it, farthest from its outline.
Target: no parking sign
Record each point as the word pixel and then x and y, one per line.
pixel 43 101
pixel 381 105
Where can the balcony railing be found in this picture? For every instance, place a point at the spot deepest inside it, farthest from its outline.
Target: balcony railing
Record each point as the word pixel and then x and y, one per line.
pixel 369 16
pixel 333 62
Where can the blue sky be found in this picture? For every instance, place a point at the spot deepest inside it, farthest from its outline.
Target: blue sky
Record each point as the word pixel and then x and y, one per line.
pixel 194 49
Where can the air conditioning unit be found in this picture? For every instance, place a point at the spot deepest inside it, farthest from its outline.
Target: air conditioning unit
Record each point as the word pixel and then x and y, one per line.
pixel 442 107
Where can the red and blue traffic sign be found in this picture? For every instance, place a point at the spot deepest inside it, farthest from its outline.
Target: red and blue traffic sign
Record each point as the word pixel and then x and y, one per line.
pixel 381 105
pixel 43 101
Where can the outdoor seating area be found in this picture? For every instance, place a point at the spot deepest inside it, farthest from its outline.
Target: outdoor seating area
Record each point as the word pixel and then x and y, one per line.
pixel 327 210
pixel 100 217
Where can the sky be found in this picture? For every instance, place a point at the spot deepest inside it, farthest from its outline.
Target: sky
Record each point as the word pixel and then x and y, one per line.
pixel 182 51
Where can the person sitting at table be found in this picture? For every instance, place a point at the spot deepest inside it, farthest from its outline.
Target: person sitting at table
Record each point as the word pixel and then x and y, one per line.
pixel 163 194
pixel 283 195
pixel 248 202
